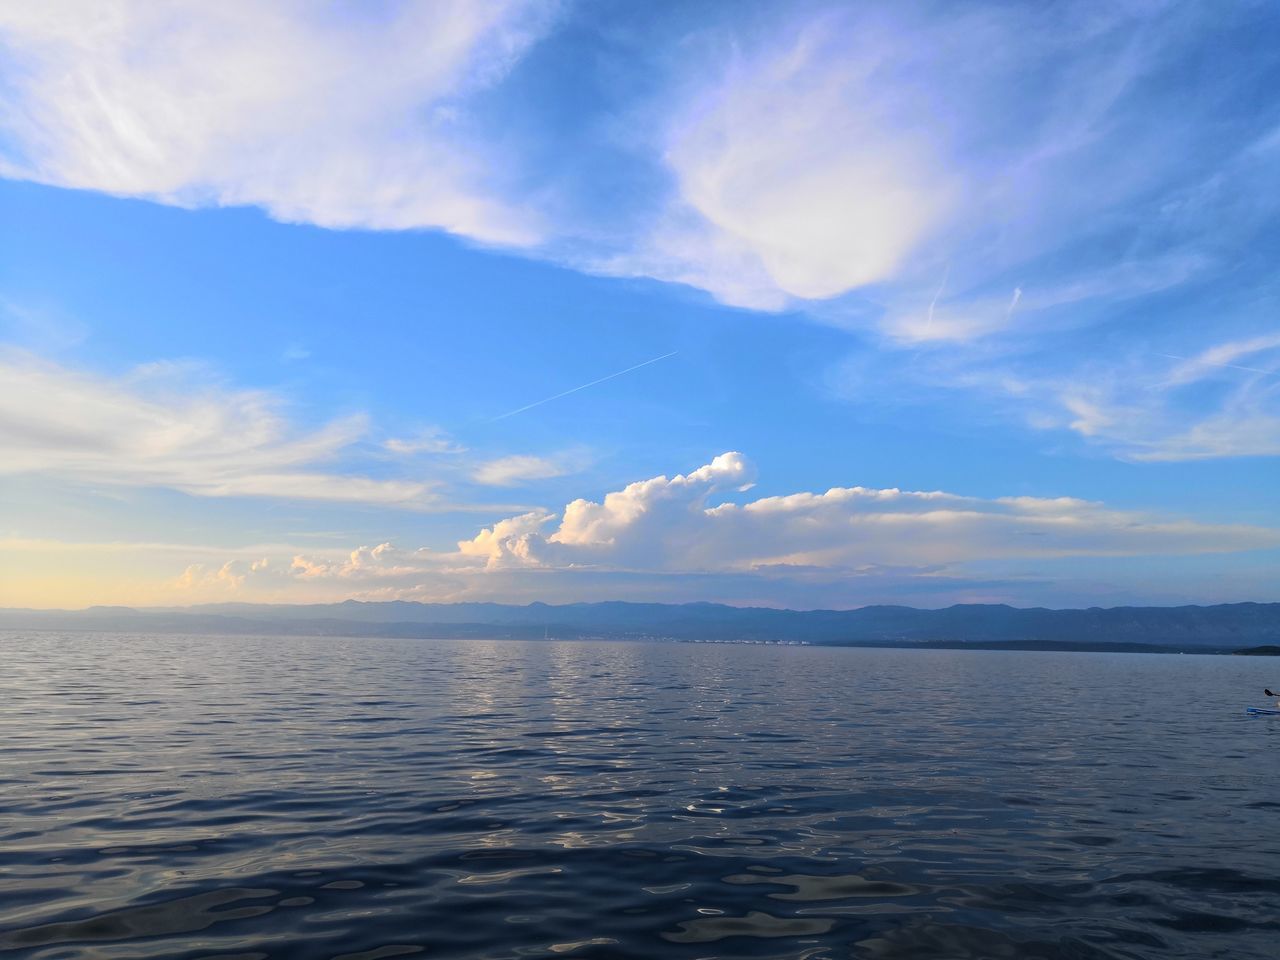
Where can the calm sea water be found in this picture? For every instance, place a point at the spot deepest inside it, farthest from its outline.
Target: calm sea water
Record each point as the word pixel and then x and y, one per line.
pixel 280 798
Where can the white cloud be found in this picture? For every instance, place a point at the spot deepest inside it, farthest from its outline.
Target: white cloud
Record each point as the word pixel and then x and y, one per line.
pixel 168 426
pixel 666 503
pixel 800 171
pixel 859 148
pixel 433 440
pixel 507 539
pixel 314 113
pixel 1225 435
pixel 519 468
pixel 383 561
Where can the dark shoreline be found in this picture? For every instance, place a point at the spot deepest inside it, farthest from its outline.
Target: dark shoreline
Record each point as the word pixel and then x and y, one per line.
pixel 489 634
pixel 1248 628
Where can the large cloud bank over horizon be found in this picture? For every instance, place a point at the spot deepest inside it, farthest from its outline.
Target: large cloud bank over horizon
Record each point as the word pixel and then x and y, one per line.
pixel 689 525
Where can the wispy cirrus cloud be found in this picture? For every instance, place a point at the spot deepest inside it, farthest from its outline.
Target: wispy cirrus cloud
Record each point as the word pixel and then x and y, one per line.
pixel 167 425
pixel 1026 316
pixel 1222 401
pixel 792 157
pixel 521 468
pixel 430 441
pixel 1141 404
pixel 868 148
pixel 1227 356
pixel 316 114
pixel 1137 402
pixel 1059 165
pixel 801 171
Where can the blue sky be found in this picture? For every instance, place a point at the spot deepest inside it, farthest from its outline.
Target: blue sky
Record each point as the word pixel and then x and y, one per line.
pixel 952 304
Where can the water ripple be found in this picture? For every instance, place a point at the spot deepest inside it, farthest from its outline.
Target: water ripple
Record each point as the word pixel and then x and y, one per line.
pixel 272 799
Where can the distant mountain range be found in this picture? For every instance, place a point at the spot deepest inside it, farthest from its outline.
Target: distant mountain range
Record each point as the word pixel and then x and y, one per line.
pixel 1221 627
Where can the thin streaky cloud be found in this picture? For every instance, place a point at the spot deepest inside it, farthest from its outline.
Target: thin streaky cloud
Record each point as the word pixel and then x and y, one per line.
pixel 538 403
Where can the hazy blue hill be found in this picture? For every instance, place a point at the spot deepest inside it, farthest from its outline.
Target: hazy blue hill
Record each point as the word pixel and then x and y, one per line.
pixel 1226 625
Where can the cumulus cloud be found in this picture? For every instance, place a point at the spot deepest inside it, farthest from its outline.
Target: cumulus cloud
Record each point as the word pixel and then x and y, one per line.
pixel 673 525
pixel 314 113
pixel 230 576
pixel 383 561
pixel 169 426
pixel 507 540
pixel 658 501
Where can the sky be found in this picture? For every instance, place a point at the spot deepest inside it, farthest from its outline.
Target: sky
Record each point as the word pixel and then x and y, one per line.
pixel 789 304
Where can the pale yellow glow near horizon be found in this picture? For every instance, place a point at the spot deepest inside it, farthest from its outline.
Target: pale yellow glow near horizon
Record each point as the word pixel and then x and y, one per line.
pixel 50 574
pixel 76 589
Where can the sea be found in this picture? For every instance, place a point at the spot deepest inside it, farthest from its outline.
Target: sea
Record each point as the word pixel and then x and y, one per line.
pixel 248 798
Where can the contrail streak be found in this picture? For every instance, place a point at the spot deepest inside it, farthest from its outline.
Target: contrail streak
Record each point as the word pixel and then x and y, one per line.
pixel 1211 363
pixel 928 326
pixel 1013 304
pixel 538 403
